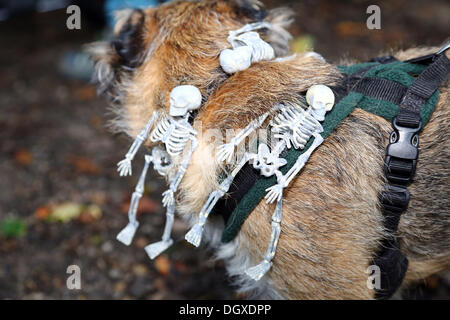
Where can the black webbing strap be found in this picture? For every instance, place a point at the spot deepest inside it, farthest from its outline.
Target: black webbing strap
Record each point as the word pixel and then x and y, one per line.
pixel 420 91
pixel 242 183
pixel 381 89
pixel 400 166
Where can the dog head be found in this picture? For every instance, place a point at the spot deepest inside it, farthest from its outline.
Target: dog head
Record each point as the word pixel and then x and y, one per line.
pixel 177 43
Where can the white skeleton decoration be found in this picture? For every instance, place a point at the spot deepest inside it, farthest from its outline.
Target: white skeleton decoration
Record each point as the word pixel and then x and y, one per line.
pixel 293 127
pixel 175 132
pixel 247 48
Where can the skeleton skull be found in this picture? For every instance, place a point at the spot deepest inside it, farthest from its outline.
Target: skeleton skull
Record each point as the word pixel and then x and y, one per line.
pixel 184 99
pixel 320 96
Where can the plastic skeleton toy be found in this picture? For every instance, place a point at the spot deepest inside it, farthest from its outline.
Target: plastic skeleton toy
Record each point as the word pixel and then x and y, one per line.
pixel 175 132
pixel 293 126
pixel 248 48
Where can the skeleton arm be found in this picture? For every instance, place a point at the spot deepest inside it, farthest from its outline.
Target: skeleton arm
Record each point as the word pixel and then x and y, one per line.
pixel 124 166
pixel 225 151
pixel 194 236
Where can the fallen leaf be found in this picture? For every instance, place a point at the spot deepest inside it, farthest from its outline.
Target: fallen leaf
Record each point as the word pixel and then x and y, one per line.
pixel 23 157
pixel 85 93
pixel 95 239
pixel 141 242
pixel 119 287
pixel 84 165
pixel 162 265
pixel 98 197
pixel 42 212
pixel 146 205
pixel 140 270
pixel 66 212
pixel 90 214
pixel 13 228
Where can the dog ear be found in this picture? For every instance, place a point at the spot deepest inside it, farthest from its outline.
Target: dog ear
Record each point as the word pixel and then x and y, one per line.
pixel 252 9
pixel 280 19
pixel 278 37
pixel 125 49
pixel 128 42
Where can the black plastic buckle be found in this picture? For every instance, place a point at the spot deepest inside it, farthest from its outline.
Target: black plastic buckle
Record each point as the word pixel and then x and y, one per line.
pixel 401 154
pixel 395 198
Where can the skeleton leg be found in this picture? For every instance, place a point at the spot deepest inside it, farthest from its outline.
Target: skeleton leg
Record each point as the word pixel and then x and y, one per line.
pixel 194 236
pixel 124 166
pixel 168 196
pixel 155 249
pixel 257 272
pixel 126 235
pixel 301 161
pixel 275 192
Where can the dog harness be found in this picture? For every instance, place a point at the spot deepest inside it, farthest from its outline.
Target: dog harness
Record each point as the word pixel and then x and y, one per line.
pixel 403 92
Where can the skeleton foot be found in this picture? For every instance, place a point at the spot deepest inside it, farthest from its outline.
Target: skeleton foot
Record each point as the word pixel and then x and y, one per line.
pixel 194 236
pixel 257 272
pixel 127 234
pixel 155 249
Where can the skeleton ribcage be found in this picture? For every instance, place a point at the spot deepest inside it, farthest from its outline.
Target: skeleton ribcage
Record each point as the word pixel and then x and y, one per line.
pixel 172 134
pixel 294 125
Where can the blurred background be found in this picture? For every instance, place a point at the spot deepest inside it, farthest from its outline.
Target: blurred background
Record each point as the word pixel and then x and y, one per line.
pixel 62 202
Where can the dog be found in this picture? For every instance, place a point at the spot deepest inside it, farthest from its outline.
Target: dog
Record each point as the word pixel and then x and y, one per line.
pixel 332 223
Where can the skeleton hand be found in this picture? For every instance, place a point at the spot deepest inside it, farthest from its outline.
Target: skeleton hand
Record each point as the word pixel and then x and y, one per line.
pixel 124 167
pixel 274 193
pixel 168 198
pixel 225 152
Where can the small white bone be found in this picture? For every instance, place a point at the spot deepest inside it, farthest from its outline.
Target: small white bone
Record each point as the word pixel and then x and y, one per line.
pixel 248 48
pixel 235 60
pixel 261 50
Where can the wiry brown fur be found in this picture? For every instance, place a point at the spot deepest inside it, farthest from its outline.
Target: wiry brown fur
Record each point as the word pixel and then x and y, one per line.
pixel 332 225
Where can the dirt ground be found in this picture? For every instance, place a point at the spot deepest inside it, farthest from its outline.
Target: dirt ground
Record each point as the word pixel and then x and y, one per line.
pixel 62 202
